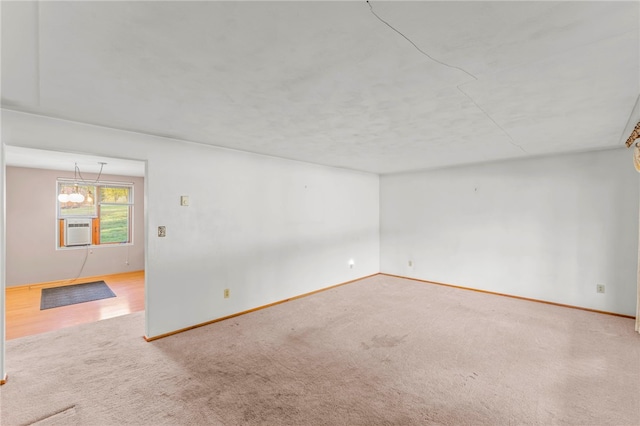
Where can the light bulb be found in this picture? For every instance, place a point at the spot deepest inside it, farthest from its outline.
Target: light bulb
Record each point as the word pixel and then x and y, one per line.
pixel 76 198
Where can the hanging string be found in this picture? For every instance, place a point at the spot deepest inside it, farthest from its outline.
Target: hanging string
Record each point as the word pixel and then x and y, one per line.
pixel 511 140
pixel 416 46
pixel 77 173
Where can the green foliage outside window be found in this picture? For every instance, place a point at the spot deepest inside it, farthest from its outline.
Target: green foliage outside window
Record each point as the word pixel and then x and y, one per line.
pixel 111 204
pixel 114 224
pixel 84 208
pixel 115 214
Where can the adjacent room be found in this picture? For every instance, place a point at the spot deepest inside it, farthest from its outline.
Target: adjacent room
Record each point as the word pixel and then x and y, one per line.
pixel 358 212
pixel 61 250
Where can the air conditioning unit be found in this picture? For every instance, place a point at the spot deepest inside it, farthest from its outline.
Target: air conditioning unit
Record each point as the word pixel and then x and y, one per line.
pixel 77 232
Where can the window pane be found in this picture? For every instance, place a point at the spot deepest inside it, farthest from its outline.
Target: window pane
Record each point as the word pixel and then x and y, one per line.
pixel 114 194
pixel 76 200
pixel 114 224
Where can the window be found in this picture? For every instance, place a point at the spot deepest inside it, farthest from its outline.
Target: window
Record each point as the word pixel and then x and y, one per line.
pixel 109 206
pixel 69 208
pixel 115 214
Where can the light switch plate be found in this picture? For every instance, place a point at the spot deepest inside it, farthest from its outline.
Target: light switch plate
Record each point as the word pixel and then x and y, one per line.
pixel 162 231
pixel 184 200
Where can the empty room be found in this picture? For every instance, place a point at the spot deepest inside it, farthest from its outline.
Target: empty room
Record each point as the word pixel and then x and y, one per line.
pixel 89 249
pixel 340 213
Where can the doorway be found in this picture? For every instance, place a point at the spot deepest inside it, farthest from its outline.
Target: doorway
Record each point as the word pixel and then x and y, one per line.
pixel 36 258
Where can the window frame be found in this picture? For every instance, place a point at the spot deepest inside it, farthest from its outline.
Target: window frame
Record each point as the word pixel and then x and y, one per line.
pixel 129 204
pixel 96 216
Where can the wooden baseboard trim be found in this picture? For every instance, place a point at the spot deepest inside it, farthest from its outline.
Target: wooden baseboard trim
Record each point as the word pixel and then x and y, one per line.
pixel 61 283
pixel 4 380
pixel 512 296
pixel 161 336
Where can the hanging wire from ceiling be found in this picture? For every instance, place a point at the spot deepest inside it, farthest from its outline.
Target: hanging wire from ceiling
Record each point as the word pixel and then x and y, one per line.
pixel 76 195
pixel 416 46
pixel 77 173
pixel 512 141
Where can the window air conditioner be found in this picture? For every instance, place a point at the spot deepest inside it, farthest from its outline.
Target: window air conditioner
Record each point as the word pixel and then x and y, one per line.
pixel 77 232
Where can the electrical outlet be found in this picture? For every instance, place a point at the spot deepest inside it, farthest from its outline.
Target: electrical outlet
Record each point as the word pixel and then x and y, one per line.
pixel 411 263
pixel 600 288
pixel 226 293
pixel 162 231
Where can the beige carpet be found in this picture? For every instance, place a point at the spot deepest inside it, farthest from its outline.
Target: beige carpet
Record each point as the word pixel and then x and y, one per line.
pixel 379 351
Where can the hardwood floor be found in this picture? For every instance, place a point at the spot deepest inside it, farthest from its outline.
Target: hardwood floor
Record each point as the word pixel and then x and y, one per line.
pixel 24 317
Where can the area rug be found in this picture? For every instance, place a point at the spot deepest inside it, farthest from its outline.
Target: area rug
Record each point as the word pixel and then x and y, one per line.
pixel 71 294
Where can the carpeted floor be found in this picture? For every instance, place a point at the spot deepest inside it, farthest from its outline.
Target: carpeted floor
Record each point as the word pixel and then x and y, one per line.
pixel 381 351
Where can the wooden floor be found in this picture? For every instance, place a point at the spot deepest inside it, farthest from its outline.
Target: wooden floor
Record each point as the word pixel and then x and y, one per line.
pixel 24 317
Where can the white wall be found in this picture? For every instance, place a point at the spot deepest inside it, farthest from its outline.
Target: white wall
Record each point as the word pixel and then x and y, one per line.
pixel 265 228
pixel 32 228
pixel 547 228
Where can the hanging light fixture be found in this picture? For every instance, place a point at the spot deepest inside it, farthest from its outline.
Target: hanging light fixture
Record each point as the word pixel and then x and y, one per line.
pixel 75 196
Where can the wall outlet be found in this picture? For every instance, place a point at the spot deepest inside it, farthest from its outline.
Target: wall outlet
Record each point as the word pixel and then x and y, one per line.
pixel 410 264
pixel 226 293
pixel 600 288
pixel 162 231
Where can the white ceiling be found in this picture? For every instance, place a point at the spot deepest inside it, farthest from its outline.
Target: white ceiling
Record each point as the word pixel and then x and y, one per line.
pixel 330 83
pixel 87 164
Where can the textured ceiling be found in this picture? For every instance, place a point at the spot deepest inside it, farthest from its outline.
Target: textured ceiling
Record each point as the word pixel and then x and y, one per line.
pixel 330 82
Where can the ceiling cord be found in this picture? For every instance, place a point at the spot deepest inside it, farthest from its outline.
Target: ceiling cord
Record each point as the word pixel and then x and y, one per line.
pixel 491 118
pixel 513 142
pixel 416 46
pixel 77 172
pixel 84 263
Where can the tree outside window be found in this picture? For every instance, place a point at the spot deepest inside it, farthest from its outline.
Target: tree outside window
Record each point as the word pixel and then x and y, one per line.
pixel 111 204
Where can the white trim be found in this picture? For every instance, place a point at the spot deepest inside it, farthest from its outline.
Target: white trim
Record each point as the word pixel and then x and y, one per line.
pixel 3 371
pixel 638 279
pixel 94 183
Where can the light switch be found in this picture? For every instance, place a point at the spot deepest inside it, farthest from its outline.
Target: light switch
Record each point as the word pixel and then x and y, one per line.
pixel 184 200
pixel 162 231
